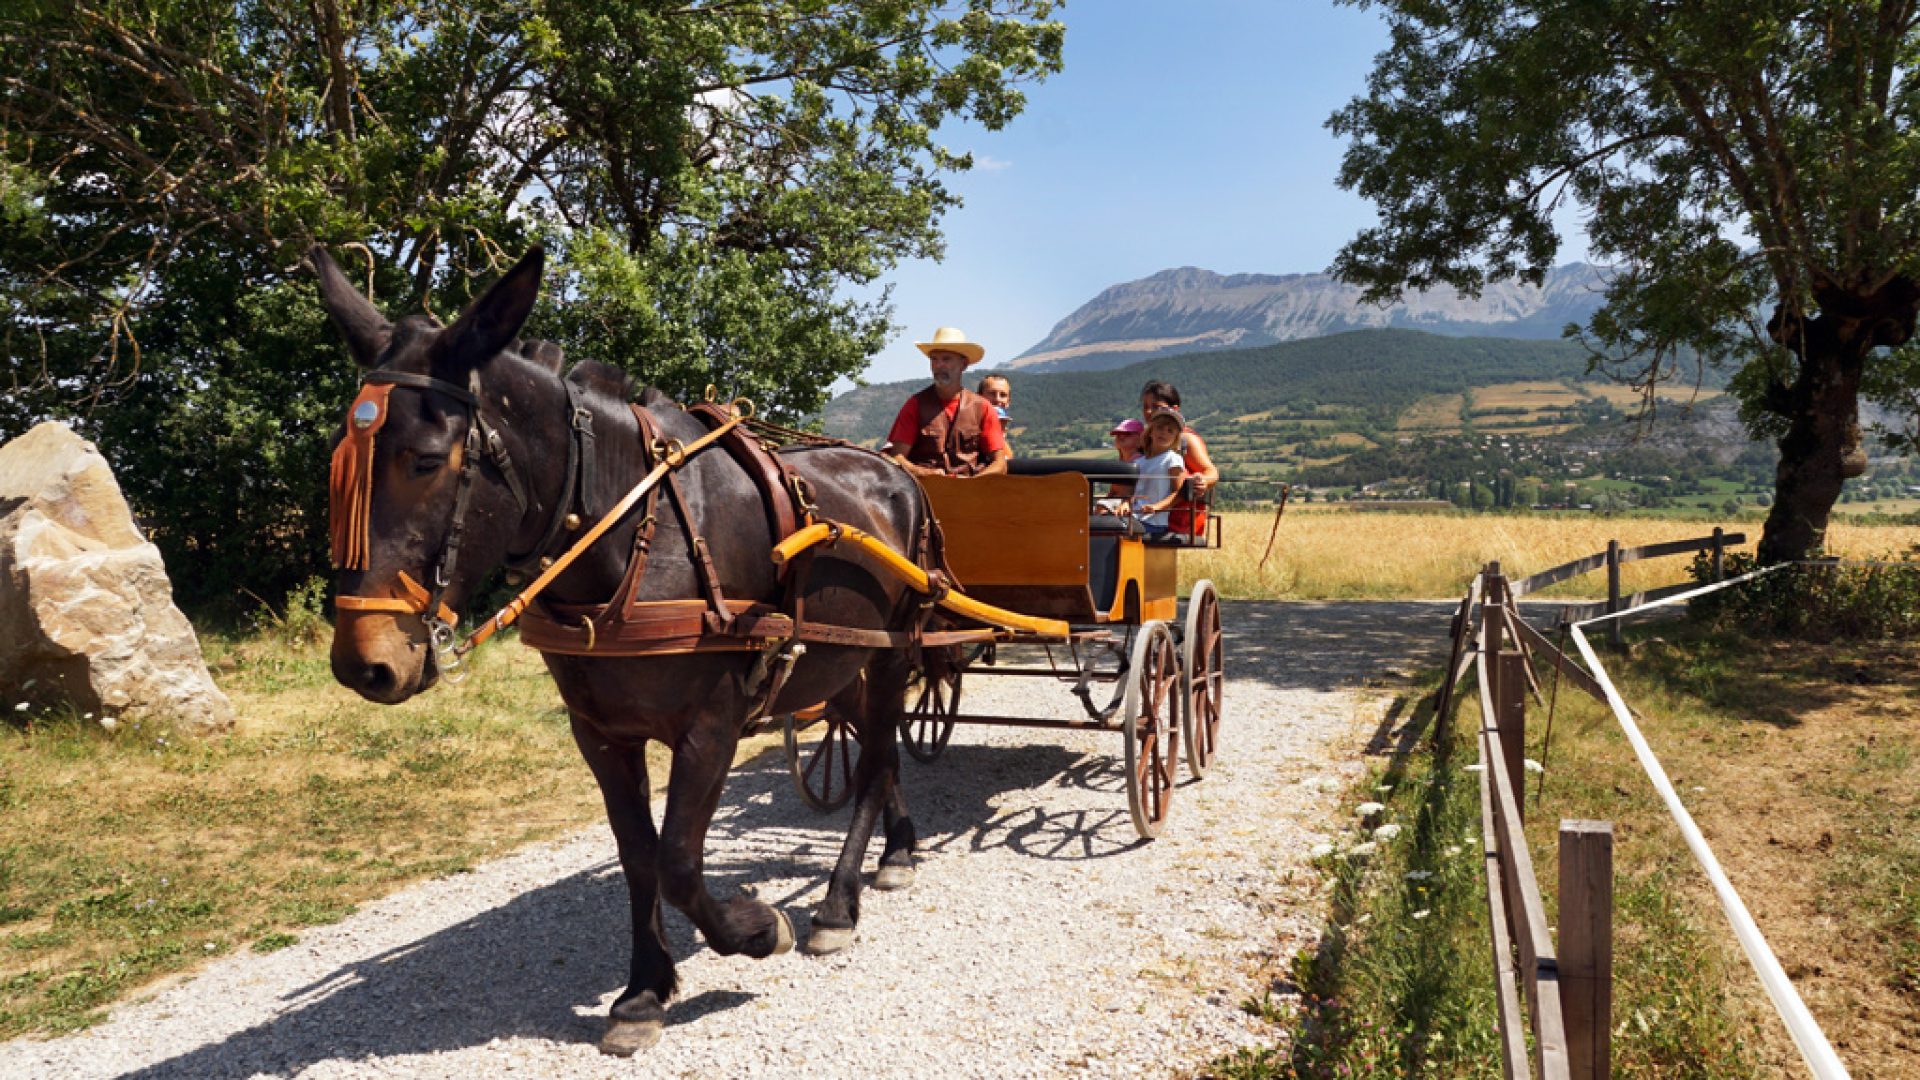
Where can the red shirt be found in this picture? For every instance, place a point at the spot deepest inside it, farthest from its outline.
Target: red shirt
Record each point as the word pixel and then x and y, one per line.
pixel 906 426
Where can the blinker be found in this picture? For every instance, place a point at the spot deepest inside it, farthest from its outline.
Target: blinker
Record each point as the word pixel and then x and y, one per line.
pixel 364 414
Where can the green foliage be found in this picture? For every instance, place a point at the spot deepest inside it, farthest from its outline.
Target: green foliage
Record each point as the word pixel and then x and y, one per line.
pixel 1753 169
pixel 710 177
pixel 1815 601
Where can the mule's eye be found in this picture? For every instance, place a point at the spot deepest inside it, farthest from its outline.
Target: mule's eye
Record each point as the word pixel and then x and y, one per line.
pixel 427 464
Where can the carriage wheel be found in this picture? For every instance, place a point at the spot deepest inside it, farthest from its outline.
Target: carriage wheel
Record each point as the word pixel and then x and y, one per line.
pixel 1205 655
pixel 1151 716
pixel 933 700
pixel 823 771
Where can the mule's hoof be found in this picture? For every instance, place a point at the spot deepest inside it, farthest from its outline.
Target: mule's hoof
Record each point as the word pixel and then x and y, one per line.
pixel 624 1038
pixel 782 933
pixel 893 876
pixel 827 940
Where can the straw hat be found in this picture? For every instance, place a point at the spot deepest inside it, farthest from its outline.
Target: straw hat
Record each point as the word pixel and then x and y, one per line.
pixel 952 339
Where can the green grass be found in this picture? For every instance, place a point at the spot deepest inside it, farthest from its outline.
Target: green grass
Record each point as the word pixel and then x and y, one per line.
pixel 138 851
pixel 1401 983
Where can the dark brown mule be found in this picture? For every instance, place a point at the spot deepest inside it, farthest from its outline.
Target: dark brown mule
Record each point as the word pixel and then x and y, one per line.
pixel 694 704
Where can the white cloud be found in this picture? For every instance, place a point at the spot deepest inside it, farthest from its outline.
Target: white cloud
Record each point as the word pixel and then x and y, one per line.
pixel 989 163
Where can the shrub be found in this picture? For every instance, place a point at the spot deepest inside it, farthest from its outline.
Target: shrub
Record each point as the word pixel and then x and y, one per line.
pixel 1818 601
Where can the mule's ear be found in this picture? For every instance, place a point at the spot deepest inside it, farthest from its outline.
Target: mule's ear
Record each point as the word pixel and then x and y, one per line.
pixel 366 330
pixel 494 320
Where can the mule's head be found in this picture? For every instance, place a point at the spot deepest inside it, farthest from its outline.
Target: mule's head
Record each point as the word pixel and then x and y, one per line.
pixel 394 495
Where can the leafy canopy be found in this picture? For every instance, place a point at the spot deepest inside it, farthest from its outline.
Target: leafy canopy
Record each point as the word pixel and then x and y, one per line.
pixel 708 175
pixel 1749 165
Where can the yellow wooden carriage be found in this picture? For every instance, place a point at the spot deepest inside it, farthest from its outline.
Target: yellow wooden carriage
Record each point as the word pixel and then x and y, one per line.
pixel 1030 542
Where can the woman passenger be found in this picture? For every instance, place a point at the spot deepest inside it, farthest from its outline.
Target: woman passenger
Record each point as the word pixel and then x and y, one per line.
pixel 1188 515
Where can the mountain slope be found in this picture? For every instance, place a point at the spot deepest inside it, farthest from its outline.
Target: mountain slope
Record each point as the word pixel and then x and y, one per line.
pixel 1375 373
pixel 1190 309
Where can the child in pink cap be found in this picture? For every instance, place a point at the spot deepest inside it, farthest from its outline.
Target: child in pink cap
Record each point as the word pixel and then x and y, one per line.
pixel 1128 439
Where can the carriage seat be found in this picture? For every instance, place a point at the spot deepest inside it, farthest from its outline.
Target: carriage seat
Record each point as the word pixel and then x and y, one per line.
pixel 1106 470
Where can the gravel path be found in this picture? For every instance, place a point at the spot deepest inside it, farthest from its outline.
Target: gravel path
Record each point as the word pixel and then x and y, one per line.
pixel 1039 939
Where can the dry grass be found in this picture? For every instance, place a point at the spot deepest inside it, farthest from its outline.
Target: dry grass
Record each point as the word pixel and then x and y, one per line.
pixel 1321 554
pixel 1437 413
pixel 134 854
pixel 1797 760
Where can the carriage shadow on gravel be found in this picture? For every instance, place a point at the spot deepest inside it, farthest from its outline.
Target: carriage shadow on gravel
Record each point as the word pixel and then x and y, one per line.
pixel 540 965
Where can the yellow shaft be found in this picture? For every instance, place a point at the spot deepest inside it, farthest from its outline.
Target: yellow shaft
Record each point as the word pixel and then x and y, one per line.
pixel 901 567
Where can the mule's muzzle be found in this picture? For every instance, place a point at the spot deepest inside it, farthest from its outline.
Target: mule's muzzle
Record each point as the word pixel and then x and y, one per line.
pixel 375 682
pixel 375 658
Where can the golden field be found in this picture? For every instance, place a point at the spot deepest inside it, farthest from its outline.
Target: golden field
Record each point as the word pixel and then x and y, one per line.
pixel 1325 554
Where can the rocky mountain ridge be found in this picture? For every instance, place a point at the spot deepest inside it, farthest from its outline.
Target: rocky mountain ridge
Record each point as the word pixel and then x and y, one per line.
pixel 1189 309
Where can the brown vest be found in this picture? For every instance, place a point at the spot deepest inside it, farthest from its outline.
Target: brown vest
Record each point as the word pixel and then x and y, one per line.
pixel 952 447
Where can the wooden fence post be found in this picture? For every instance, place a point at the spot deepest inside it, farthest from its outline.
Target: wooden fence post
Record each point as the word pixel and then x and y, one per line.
pixel 1719 553
pixel 1586 945
pixel 1613 593
pixel 1506 667
pixel 1511 707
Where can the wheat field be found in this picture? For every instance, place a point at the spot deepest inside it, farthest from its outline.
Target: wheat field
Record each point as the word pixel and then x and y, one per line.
pixel 1326 554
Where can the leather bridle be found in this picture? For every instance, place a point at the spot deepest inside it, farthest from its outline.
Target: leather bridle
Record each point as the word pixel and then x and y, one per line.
pixel 482 439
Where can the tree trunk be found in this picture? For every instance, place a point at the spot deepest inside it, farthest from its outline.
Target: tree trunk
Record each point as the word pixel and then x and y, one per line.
pixel 1821 448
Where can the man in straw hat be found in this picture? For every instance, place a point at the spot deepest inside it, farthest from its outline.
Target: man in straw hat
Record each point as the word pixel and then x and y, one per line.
pixel 946 429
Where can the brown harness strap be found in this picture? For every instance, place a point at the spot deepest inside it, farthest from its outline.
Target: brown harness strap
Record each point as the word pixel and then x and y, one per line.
pixel 666 627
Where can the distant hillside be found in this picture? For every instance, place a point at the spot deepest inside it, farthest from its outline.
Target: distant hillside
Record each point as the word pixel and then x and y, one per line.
pixel 1371 373
pixel 1192 310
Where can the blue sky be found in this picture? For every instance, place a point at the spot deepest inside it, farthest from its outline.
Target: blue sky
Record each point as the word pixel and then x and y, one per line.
pixel 1180 134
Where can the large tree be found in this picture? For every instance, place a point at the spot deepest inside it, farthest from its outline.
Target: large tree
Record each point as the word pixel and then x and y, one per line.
pixel 1752 167
pixel 710 177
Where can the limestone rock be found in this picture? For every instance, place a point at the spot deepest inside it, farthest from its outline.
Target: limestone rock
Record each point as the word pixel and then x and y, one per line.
pixel 86 610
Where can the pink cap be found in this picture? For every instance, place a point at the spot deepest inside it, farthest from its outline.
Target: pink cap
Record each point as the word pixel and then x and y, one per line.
pixel 1129 426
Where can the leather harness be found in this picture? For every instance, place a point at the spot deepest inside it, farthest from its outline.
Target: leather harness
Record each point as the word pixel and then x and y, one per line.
pixel 626 626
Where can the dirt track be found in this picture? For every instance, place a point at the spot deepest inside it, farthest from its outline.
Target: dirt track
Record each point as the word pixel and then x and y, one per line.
pixel 1040 938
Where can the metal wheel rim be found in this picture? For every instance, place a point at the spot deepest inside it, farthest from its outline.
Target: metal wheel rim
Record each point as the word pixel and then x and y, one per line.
pixel 813 767
pixel 927 723
pixel 1205 654
pixel 1151 725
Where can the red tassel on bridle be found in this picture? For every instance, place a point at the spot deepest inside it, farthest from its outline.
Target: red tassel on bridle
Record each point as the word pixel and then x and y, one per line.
pixel 350 483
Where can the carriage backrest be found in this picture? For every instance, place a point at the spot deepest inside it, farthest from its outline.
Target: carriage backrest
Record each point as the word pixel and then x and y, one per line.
pixel 1019 542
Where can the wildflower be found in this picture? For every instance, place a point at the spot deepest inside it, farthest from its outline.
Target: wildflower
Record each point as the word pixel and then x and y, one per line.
pixel 1365 918
pixel 1476 768
pixel 1387 831
pixel 1422 913
pixel 1368 809
pixel 211 946
pixel 1362 850
pixel 1452 850
pixel 1384 788
pixel 22 707
pixel 1419 875
pixel 109 723
pixel 1321 851
pixel 1533 766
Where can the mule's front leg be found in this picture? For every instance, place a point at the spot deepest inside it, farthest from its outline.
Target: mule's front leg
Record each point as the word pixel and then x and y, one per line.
pixel 740 925
pixel 639 1015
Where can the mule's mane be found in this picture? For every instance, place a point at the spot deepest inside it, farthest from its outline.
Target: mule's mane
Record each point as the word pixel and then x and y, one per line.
pixel 603 379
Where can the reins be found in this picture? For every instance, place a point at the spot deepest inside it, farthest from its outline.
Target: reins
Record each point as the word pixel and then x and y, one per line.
pixel 352 468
